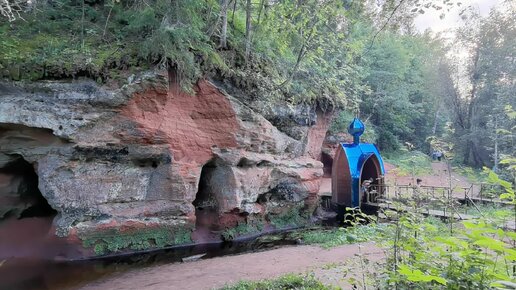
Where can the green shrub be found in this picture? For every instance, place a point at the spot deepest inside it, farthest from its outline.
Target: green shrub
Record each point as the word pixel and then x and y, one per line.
pixel 475 255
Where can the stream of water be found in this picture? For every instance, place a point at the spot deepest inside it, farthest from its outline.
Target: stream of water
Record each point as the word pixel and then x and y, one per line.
pixel 47 274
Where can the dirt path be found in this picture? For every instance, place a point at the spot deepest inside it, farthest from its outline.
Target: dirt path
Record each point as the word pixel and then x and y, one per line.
pixel 439 177
pixel 217 272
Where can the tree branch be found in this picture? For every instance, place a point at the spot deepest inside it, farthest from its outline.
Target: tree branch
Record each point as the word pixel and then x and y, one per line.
pixel 386 22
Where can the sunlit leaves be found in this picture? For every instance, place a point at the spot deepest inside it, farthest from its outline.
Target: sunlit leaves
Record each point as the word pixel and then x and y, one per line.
pixel 418 276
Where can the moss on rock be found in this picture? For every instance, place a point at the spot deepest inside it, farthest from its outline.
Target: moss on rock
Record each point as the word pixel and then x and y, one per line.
pixel 114 240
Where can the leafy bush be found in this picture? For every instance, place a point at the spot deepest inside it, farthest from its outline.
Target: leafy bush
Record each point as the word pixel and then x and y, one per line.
pixel 477 254
pixel 473 256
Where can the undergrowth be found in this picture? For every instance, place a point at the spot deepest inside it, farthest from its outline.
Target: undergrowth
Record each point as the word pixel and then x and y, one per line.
pixel 290 281
pixel 328 238
pixel 472 174
pixel 292 218
pixel 242 229
pixel 113 241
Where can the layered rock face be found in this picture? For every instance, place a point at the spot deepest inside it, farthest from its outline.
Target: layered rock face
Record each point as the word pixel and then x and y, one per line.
pixel 149 155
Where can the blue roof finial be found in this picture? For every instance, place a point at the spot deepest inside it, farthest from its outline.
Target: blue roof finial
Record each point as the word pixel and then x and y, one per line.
pixel 356 129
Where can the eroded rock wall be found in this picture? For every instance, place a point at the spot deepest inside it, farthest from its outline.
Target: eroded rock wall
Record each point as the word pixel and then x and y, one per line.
pixel 113 161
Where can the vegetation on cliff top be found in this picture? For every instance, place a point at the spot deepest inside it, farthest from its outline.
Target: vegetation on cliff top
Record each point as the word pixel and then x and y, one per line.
pixel 295 51
pixel 361 55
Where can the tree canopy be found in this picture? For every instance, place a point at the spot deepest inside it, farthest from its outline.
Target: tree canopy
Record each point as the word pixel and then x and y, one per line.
pixel 358 56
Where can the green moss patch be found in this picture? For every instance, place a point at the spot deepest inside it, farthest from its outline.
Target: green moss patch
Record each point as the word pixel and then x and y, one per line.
pixel 242 229
pixel 293 217
pixel 113 241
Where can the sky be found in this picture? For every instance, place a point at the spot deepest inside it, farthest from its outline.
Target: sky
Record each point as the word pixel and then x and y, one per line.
pixel 452 19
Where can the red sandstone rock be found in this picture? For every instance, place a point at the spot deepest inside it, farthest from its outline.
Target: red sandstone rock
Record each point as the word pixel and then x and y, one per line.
pixel 134 158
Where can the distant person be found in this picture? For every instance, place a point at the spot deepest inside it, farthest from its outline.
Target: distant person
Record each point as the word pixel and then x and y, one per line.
pixel 365 188
pixel 434 155
pixel 439 156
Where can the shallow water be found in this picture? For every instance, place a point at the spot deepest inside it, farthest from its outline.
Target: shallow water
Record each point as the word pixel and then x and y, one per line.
pixel 45 274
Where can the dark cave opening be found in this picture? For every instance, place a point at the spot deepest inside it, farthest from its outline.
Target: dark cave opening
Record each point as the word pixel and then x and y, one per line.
pixel 371 170
pixel 327 162
pixel 28 200
pixel 205 203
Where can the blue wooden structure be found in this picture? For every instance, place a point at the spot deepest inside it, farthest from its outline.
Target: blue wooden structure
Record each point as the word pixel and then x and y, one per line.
pixel 352 165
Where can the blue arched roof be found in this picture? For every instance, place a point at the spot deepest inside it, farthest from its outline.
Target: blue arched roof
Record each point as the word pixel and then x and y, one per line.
pixel 357 155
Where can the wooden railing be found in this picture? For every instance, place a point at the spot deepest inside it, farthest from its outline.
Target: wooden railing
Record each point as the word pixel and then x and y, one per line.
pixel 399 191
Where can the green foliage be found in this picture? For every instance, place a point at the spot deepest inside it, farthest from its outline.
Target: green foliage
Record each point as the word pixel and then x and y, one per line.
pixel 472 174
pixel 242 229
pixel 398 70
pixel 428 254
pixel 409 162
pixel 291 218
pixel 497 212
pixel 484 129
pixel 341 122
pixel 113 241
pixel 328 238
pixel 311 52
pixel 290 281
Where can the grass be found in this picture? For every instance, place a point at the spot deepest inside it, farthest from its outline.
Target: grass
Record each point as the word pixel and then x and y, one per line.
pixel 242 229
pixel 290 281
pixel 292 217
pixel 328 238
pixel 113 241
pixel 488 210
pixel 473 175
pixel 410 162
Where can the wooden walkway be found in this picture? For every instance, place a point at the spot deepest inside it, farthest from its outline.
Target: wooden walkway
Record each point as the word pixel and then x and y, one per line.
pixel 442 214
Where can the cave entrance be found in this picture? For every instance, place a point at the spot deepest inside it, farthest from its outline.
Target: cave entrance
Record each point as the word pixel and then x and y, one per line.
pixel 20 194
pixel 327 162
pixel 371 170
pixel 206 204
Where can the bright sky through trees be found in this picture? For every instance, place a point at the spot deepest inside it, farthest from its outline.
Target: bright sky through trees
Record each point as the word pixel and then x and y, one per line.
pixel 452 18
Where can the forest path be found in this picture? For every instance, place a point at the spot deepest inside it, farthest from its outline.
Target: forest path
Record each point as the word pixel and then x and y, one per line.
pixel 438 177
pixel 328 266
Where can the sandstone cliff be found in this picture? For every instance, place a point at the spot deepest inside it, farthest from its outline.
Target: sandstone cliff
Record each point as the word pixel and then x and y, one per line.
pixel 151 161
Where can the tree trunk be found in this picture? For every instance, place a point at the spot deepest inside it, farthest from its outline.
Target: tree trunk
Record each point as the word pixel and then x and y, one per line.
pixel 262 2
pixel 233 15
pixel 224 16
pixel 436 117
pixel 495 167
pixel 472 156
pixel 247 31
